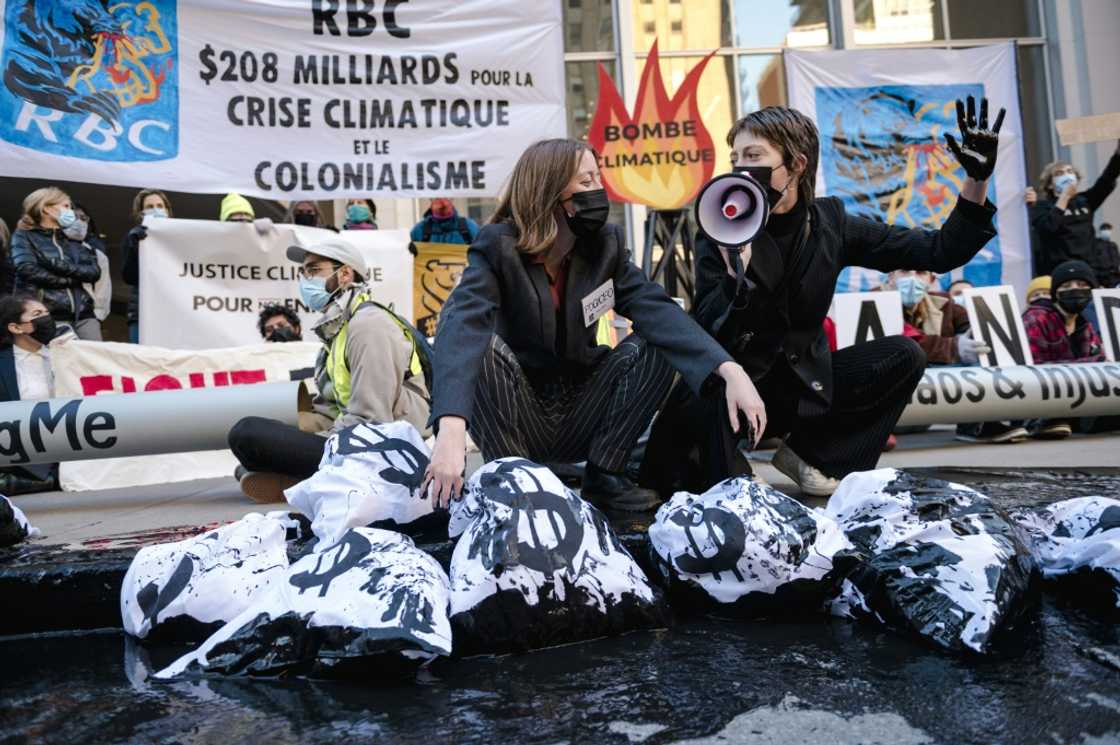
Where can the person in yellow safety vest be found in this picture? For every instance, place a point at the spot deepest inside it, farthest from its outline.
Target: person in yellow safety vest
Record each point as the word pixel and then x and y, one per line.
pixel 374 367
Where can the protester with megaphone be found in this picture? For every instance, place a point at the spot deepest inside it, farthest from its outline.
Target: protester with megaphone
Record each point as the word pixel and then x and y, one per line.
pixel 764 282
pixel 518 360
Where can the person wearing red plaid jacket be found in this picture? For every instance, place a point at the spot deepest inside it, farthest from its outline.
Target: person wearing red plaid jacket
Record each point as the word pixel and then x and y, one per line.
pixel 1059 333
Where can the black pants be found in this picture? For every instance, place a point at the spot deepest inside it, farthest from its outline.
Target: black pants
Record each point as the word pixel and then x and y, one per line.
pixel 269 445
pixel 692 446
pixel 597 417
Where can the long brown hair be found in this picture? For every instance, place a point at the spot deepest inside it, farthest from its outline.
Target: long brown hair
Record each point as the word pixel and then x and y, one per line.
pixel 533 191
pixel 138 203
pixel 34 204
pixel 793 134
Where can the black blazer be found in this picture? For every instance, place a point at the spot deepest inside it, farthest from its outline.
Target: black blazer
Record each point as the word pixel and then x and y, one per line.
pixel 765 318
pixel 9 383
pixel 504 292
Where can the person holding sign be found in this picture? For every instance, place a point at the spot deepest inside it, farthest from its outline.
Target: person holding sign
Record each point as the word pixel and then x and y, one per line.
pixel 939 325
pixel 1063 217
pixel 765 302
pixel 518 362
pixel 374 367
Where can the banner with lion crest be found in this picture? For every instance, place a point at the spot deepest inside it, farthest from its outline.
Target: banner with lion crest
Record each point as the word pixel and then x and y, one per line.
pixel 436 270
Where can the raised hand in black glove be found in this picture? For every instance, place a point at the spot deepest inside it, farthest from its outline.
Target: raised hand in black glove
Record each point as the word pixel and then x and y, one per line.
pixel 137 234
pixel 977 149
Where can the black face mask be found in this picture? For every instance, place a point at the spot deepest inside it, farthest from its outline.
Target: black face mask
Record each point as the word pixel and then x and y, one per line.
pixel 761 174
pixel 43 329
pixel 1074 301
pixel 304 218
pixel 592 208
pixel 282 334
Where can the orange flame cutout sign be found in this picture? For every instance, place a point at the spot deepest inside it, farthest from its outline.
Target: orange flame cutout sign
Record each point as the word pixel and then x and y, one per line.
pixel 663 154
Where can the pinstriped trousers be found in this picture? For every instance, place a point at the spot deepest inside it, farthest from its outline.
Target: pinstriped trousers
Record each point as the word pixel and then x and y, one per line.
pixel 565 420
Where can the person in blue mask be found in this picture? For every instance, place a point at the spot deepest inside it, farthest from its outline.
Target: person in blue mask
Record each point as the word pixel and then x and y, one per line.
pixel 361 214
pixel 52 266
pixel 1062 213
pixel 373 367
pixel 939 325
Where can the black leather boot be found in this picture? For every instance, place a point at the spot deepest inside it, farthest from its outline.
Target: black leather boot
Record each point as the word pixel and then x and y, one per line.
pixel 613 491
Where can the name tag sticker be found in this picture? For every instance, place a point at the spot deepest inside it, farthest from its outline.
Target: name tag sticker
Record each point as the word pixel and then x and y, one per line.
pixel 598 302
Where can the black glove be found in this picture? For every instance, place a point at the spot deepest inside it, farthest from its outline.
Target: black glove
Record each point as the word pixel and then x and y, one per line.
pixel 977 149
pixel 137 234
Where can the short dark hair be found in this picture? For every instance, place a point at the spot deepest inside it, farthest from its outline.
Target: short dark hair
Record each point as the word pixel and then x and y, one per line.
pixel 1106 225
pixel 793 134
pixel 271 311
pixel 11 310
pixel 956 282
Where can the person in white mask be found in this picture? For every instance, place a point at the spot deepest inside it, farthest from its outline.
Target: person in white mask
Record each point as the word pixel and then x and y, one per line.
pixel 52 266
pixel 1062 212
pixel 148 203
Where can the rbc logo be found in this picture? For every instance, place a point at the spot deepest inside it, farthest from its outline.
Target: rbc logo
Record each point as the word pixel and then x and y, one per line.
pixel 91 79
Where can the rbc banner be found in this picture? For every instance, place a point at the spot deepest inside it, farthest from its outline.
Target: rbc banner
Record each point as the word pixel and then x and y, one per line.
pixel 280 99
pixel 882 114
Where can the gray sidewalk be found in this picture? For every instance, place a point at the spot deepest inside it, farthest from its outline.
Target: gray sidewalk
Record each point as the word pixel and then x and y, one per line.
pixel 79 518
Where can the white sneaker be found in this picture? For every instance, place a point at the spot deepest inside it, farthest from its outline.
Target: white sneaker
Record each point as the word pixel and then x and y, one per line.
pixel 810 480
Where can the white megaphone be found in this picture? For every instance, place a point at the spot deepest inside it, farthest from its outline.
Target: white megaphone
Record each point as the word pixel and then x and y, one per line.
pixel 731 209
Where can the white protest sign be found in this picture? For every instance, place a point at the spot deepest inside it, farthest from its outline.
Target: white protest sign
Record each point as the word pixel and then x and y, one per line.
pixel 862 316
pixel 205 282
pixel 85 368
pixel 1107 303
pixel 993 314
pixel 282 99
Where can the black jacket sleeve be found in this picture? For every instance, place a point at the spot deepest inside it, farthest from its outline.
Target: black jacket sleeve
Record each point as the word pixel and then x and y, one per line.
pixel 130 269
pixel 466 324
pixel 876 245
pixel 86 269
pixel 1105 183
pixel 660 321
pixel 38 270
pixel 716 293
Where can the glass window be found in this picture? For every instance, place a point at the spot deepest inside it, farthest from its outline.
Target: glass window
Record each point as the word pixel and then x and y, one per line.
pixel 583 94
pixel 715 95
pixel 990 19
pixel 705 26
pixel 588 26
pixel 1036 115
pixel 775 23
pixel 762 82
pixel 897 21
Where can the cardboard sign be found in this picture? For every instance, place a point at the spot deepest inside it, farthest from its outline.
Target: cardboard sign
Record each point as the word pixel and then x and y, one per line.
pixel 1084 129
pixel 1107 303
pixel 862 316
pixel 993 313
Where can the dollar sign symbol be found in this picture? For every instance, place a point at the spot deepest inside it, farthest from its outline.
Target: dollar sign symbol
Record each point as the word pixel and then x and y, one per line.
pixel 206 57
pixel 719 523
pixel 332 563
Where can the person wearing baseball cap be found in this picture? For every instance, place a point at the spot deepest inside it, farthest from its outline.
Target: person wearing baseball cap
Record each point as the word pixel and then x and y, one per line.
pixel 1059 332
pixel 374 367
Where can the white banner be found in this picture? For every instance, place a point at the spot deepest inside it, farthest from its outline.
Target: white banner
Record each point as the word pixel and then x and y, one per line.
pixel 205 282
pixel 83 368
pixel 863 316
pixel 280 98
pixel 882 115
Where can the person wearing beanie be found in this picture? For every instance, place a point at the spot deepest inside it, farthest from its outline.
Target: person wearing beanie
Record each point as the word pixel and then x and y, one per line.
pixel 1038 289
pixel 1059 332
pixel 441 223
pixel 236 208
